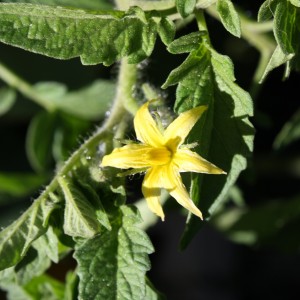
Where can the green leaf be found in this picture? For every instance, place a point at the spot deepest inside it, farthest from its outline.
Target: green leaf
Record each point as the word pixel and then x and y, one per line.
pixel 286 27
pixel 45 287
pixel 39 140
pixel 71 286
pixel 51 136
pixel 289 133
pixel 86 4
pixel 113 265
pixel 266 11
pixel 7 99
pixel 20 184
pixel 260 225
pixel 186 43
pixel 35 263
pixel 67 130
pixel 83 181
pixel 224 132
pixel 49 244
pixel 166 30
pixel 17 238
pixel 16 292
pixel 295 2
pixel 42 287
pixel 286 31
pixel 185 7
pixel 23 281
pixel 152 293
pixel 66 33
pixel 277 59
pixel 7 277
pixel 242 104
pixel 229 17
pixel 90 103
pixel 79 218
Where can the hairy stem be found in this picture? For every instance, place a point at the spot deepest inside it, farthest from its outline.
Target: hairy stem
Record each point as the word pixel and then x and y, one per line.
pixel 126 85
pixel 118 113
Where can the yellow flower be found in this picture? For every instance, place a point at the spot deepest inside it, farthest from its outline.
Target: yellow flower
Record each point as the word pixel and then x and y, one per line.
pixel 164 156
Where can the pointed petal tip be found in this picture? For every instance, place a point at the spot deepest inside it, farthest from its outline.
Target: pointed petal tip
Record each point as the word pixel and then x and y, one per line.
pixel 160 214
pixel 199 214
pixel 217 171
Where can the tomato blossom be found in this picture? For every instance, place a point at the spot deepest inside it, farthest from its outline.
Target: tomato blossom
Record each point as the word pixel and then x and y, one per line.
pixel 162 154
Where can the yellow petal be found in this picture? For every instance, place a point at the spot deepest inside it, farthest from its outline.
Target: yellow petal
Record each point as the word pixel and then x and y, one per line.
pixel 182 125
pixel 146 129
pixel 159 178
pixel 136 156
pixel 151 191
pixel 189 161
pixel 127 157
pixel 180 193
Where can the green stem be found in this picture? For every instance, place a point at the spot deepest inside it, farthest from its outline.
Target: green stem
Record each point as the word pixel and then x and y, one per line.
pixel 89 144
pixel 117 115
pixel 23 87
pixel 126 85
pixel 200 20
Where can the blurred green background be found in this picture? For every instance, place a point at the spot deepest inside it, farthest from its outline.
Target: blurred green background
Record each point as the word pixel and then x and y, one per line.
pixel 250 249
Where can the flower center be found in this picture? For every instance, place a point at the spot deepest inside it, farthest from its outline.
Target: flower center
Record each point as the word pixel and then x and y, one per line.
pixel 159 156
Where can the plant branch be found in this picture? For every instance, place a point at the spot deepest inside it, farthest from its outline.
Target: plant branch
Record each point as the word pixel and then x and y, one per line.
pixel 23 87
pixel 126 84
pixel 117 114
